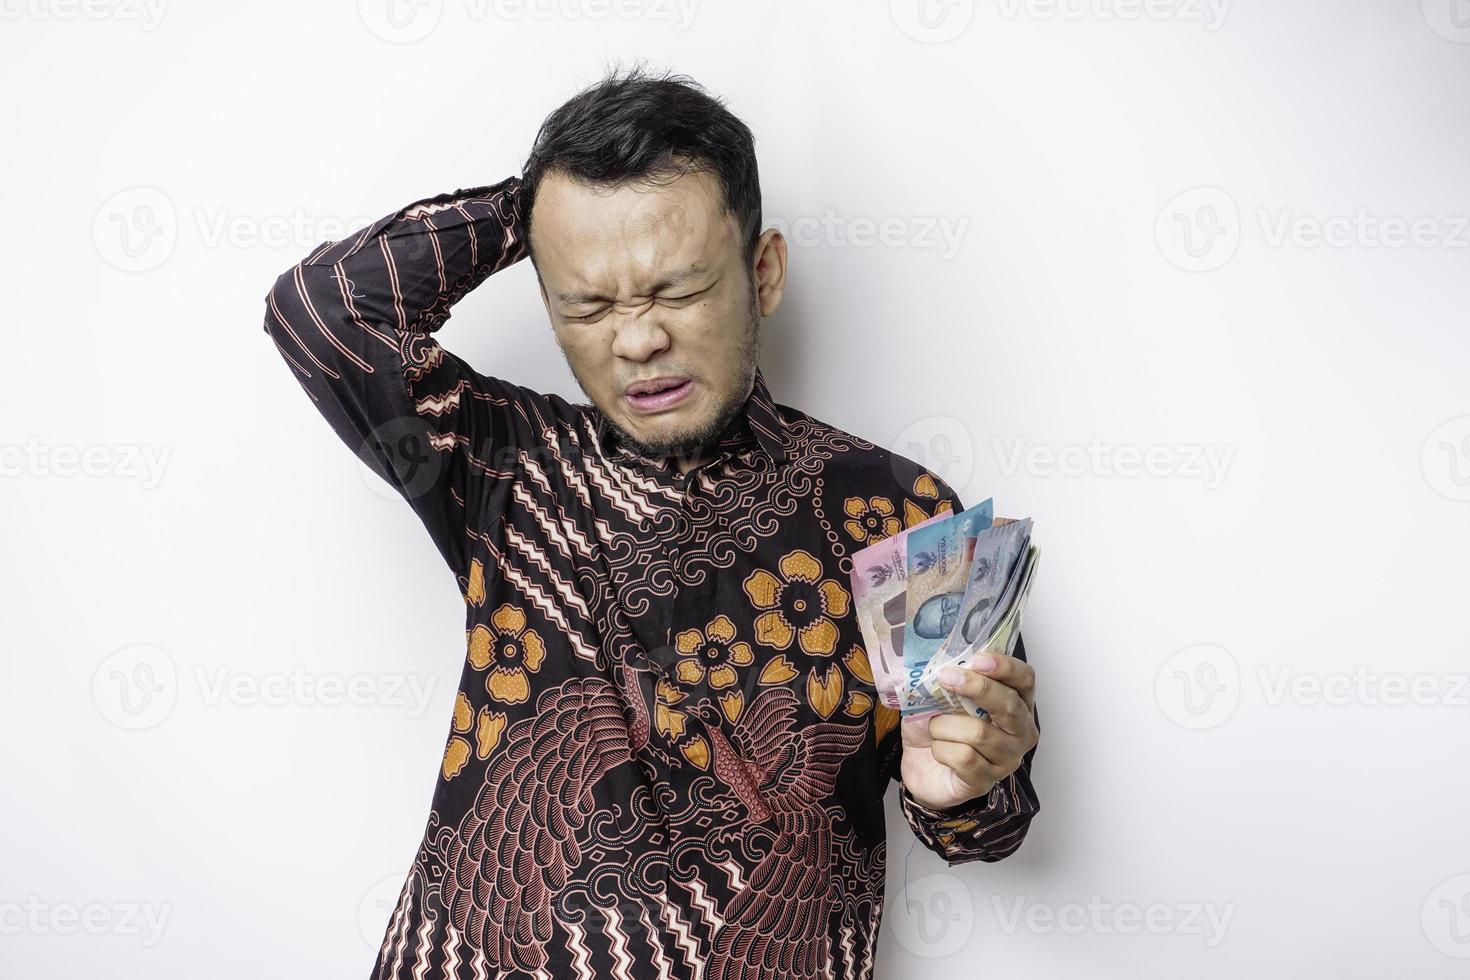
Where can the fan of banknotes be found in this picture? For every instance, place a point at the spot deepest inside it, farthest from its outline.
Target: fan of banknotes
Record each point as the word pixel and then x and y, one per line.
pixel 941 592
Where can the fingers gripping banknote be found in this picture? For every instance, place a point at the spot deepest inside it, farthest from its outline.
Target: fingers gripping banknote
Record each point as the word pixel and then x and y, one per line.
pixel 942 593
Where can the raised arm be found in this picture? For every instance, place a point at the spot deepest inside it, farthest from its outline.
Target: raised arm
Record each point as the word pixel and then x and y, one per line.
pixel 355 321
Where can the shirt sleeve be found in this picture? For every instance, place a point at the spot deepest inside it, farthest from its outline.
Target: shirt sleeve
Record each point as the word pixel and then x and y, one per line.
pixel 355 322
pixel 987 828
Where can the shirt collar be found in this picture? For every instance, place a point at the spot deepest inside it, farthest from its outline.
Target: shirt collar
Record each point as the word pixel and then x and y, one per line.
pixel 758 424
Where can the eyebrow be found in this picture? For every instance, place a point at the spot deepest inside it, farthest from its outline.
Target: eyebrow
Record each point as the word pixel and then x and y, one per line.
pixel 673 279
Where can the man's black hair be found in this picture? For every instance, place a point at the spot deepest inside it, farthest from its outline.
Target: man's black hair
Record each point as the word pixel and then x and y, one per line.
pixel 642 126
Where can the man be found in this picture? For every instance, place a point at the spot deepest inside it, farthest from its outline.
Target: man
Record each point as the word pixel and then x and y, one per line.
pixel 666 756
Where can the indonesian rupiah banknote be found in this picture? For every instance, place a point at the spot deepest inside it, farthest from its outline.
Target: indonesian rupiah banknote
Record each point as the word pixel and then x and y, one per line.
pixel 938 567
pixel 941 592
pixel 879 574
pixel 998 635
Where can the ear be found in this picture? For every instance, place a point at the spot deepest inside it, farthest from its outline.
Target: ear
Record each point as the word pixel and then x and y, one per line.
pixel 768 270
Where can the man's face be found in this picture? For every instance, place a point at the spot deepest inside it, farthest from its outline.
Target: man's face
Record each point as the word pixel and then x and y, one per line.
pixel 652 303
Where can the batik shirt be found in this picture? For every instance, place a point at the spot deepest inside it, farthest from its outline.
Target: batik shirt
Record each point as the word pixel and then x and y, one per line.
pixel 667 757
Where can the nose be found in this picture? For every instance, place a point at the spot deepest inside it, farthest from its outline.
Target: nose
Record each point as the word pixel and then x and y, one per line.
pixel 639 336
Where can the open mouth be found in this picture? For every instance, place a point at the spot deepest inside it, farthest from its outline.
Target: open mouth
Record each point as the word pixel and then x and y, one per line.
pixel 658 393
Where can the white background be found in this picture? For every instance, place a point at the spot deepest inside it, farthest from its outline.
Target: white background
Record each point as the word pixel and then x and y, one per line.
pixel 1251 673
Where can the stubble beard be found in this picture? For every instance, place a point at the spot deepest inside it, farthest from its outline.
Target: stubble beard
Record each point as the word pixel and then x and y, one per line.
pixel 691 444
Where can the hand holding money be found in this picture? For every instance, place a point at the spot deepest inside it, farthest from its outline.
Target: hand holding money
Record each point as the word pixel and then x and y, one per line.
pixel 939 593
pixel 949 759
pixel 940 607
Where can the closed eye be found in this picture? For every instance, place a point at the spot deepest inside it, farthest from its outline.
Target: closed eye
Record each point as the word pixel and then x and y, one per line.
pixel 588 317
pixel 686 296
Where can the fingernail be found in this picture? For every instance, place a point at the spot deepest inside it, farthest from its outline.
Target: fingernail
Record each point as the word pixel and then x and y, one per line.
pixel 984 663
pixel 951 677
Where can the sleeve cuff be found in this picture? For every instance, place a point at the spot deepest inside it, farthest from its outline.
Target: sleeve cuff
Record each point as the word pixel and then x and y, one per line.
pixel 979 806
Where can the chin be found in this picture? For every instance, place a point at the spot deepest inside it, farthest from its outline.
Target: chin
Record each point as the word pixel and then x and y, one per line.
pixel 670 438
pixel 667 440
pixel 681 430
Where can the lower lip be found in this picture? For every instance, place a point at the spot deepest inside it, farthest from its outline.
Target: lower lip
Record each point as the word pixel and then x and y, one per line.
pixel 662 399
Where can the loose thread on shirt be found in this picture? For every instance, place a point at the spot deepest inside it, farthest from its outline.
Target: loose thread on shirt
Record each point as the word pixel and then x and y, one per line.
pixel 914 842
